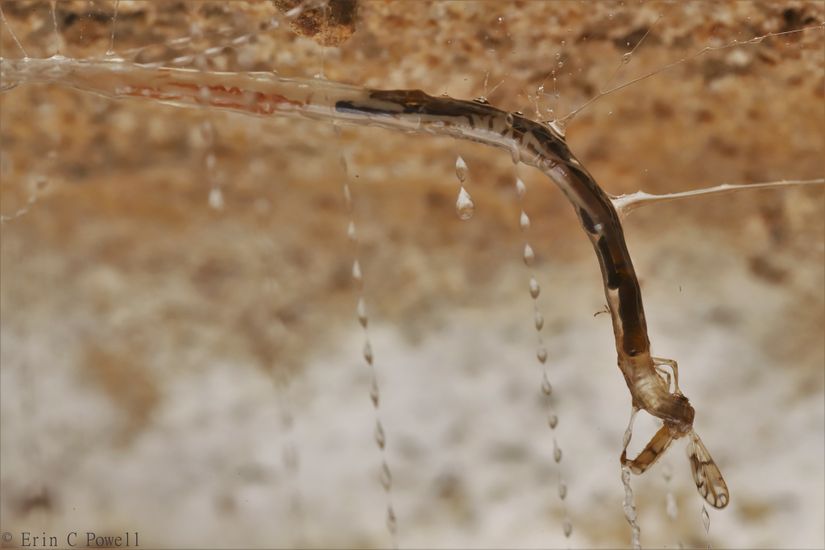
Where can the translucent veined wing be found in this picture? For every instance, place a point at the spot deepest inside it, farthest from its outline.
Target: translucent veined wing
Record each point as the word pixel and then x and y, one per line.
pixel 706 474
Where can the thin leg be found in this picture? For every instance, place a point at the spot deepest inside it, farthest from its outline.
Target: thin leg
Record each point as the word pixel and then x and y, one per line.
pixel 648 457
pixel 666 375
pixel 628 433
pixel 659 361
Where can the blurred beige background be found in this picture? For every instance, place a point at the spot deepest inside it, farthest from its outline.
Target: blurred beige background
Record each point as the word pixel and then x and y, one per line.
pixel 194 374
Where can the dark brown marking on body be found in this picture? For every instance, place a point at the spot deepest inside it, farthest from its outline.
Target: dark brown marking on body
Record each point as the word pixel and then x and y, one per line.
pixel 611 275
pixel 352 107
pixel 587 221
pixel 592 203
pixel 631 312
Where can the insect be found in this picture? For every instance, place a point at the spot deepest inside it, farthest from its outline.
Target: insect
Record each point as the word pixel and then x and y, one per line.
pixel 650 388
pixel 530 142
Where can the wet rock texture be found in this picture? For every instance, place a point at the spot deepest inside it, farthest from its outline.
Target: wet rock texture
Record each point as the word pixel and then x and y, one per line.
pixel 155 348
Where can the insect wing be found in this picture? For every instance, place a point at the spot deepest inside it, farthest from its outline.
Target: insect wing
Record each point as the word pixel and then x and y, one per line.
pixel 706 474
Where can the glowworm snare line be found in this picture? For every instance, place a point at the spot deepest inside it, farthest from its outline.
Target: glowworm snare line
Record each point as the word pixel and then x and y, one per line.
pixel 530 142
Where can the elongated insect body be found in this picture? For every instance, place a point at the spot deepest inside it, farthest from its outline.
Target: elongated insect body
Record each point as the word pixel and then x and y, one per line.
pixel 533 143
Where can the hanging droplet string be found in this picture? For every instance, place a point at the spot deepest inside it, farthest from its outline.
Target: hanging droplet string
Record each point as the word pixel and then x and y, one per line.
pixel 290 460
pixel 57 37
pixel 706 523
pixel 464 206
pixel 205 140
pixel 385 474
pixel 629 505
pixel 529 257
pixel 671 508
pixel 111 50
pixel 208 135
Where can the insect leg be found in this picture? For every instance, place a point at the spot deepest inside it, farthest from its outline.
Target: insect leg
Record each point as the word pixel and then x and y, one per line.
pixel 659 362
pixel 628 433
pixel 666 374
pixel 650 454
